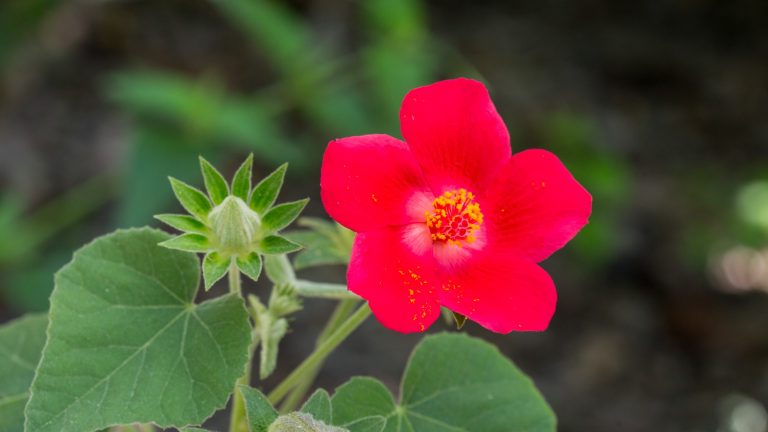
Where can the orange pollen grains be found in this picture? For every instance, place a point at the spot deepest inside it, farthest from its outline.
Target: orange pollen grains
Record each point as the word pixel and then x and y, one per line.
pixel 455 217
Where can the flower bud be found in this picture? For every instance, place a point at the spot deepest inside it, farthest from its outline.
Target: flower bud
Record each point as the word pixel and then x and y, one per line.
pixel 235 226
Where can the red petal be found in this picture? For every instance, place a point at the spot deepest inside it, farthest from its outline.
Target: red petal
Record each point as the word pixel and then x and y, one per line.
pixel 501 293
pixel 400 285
pixel 536 206
pixel 455 132
pixel 367 181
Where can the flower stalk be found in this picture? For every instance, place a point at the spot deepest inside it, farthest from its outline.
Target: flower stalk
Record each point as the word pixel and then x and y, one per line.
pixel 320 354
pixel 342 311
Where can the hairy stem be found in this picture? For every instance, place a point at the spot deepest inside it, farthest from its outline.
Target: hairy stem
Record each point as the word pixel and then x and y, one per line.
pixel 320 353
pixel 237 419
pixel 343 309
pixel 234 277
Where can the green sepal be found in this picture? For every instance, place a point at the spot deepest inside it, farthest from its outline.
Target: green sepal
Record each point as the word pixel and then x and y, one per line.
pixel 215 266
pixel 280 216
pixel 184 223
pixel 188 243
pixel 276 245
pixel 250 265
pixel 279 269
pixel 460 320
pixel 283 300
pixel 241 182
pixel 193 200
pixel 258 411
pixel 215 183
pixel 265 193
pixel 319 405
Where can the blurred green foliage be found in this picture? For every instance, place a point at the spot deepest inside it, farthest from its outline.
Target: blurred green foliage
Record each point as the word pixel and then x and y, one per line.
pixel 18 21
pixel 573 138
pixel 330 91
pixel 177 117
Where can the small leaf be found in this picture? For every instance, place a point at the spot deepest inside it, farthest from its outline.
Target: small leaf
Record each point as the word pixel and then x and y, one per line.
pixel 250 265
pixel 193 200
pixel 258 410
pixel 241 182
pixel 265 193
pixel 279 269
pixel 359 399
pixel 301 422
pixel 188 243
pixel 319 405
pixel 280 216
pixel 215 267
pixel 214 182
pixel 184 223
pixel 126 342
pixel 452 382
pixel 21 343
pixel 276 245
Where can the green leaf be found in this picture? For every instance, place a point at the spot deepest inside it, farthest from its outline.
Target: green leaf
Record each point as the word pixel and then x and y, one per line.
pixel 184 223
pixel 276 245
pixel 194 201
pixel 280 216
pixel 368 424
pixel 241 182
pixel 127 344
pixel 302 422
pixel 21 343
pixel 452 383
pixel 215 266
pixel 214 182
pixel 279 269
pixel 258 410
pixel 188 243
pixel 250 265
pixel 319 405
pixel 265 193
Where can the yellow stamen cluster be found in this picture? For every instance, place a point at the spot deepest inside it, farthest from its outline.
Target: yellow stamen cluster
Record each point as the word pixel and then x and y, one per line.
pixel 455 217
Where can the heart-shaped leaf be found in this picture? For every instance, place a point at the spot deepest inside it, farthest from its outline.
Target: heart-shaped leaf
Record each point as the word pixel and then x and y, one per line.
pixel 126 343
pixel 21 343
pixel 453 383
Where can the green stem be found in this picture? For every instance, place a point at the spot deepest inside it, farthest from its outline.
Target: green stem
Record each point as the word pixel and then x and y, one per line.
pixel 307 288
pixel 341 313
pixel 237 419
pixel 234 277
pixel 320 353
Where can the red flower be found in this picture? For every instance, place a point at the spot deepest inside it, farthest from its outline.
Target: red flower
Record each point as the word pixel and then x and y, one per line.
pixel 449 217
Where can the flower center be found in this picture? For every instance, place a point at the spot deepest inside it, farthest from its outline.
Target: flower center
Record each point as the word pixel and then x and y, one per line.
pixel 455 217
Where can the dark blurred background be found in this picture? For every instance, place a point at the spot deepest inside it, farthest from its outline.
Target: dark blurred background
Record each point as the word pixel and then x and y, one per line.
pixel 659 108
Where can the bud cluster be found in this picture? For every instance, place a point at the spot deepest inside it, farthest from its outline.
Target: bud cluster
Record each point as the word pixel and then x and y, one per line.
pixel 234 224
